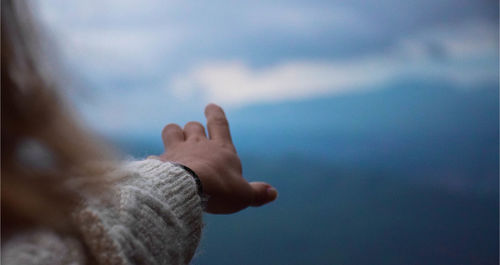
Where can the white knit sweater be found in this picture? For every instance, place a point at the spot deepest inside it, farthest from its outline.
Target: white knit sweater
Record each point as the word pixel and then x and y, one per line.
pixel 154 217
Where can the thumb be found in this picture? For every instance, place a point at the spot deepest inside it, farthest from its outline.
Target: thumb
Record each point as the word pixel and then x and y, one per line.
pixel 262 193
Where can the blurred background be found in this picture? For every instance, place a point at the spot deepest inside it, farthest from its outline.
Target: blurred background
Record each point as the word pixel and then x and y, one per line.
pixel 377 121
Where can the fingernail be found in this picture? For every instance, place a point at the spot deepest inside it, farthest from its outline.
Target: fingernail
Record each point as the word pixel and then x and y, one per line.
pixel 272 193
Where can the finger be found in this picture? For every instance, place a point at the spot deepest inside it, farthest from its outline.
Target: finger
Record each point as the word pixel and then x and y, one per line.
pixel 217 125
pixel 194 130
pixel 172 134
pixel 262 193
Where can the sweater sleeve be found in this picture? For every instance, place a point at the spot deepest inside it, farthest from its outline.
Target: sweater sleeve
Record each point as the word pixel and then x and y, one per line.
pixel 153 217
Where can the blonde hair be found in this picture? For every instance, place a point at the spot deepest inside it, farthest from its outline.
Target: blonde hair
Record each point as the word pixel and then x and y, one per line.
pixel 42 144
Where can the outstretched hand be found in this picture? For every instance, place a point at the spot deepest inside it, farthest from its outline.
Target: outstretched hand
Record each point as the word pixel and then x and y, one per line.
pixel 215 161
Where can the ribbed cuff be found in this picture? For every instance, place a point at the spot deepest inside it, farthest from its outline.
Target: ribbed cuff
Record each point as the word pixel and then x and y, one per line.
pixel 194 175
pixel 166 170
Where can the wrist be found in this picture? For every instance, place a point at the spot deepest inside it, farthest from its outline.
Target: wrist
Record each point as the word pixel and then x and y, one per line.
pixel 193 174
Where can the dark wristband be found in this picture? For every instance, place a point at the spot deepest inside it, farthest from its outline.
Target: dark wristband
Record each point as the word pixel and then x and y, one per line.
pixel 196 178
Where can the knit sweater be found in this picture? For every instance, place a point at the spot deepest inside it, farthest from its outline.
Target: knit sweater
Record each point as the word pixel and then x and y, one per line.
pixel 153 216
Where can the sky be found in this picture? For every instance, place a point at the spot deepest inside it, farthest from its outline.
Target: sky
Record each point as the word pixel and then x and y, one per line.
pixel 138 65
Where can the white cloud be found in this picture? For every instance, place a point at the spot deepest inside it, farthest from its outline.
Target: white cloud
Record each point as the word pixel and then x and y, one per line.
pixel 466 56
pixel 307 20
pixel 112 38
pixel 470 39
pixel 235 83
pixel 120 52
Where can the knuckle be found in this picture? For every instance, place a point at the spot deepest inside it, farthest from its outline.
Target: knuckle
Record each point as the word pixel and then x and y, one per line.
pixel 229 157
pixel 220 121
pixel 195 138
pixel 169 127
pixel 226 146
pixel 193 124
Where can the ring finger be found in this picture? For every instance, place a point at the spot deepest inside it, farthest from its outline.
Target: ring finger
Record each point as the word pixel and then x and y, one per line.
pixel 194 130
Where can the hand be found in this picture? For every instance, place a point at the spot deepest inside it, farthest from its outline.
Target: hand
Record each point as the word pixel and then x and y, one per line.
pixel 216 163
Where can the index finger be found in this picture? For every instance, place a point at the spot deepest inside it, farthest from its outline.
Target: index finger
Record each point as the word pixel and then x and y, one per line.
pixel 217 124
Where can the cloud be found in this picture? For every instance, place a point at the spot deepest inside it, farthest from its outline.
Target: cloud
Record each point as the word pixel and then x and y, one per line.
pixel 116 38
pixel 139 54
pixel 470 39
pixel 235 83
pixel 117 53
pixel 467 55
